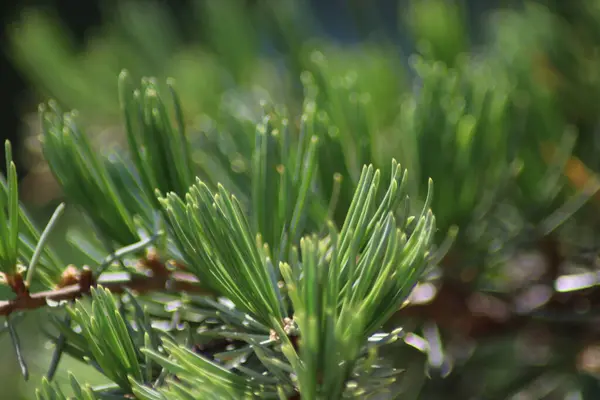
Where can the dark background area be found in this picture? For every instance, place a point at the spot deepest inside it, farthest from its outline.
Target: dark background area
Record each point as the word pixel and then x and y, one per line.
pixel 78 16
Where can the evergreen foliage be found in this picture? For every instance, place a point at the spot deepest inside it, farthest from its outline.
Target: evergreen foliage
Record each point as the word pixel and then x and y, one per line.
pixel 276 238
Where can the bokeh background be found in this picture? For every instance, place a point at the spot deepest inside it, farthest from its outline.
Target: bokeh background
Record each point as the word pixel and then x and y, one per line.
pixel 509 329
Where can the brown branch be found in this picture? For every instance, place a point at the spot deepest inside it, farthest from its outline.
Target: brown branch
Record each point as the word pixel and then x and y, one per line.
pixel 159 279
pixel 452 310
pixel 461 309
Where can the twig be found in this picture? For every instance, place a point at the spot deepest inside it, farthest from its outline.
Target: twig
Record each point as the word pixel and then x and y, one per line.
pixel 177 281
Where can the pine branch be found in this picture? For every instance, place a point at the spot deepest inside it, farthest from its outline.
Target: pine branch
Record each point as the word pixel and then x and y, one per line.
pixel 79 283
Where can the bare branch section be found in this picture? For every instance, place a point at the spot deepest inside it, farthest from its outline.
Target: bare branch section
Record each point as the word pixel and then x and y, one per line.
pixel 76 284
